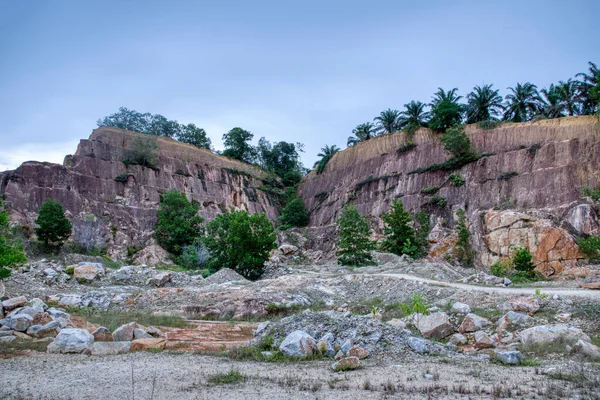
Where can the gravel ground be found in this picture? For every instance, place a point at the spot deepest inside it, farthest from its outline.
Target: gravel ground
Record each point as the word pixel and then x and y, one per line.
pixel 185 376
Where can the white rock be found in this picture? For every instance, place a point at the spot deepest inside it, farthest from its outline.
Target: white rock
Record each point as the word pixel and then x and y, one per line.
pixel 72 340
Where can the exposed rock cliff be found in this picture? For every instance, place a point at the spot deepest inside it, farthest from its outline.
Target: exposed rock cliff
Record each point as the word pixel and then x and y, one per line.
pixel 524 192
pixel 126 211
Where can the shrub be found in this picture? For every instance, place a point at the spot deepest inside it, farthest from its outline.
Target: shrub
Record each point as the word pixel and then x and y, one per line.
pixel 400 236
pixel 445 115
pixel 194 256
pixel 178 222
pixel 70 270
pixel 456 180
pixel 464 252
pixel 590 246
pixel 457 143
pixel 421 232
pixel 430 190
pixel 241 242
pixel 593 193
pixel 355 245
pixel 502 269
pixel 437 201
pixel 11 253
pixel 507 175
pixel 122 178
pixel 53 226
pixel 406 147
pixel 489 124
pixel 417 305
pixel 294 213
pixel 522 261
pixel 144 152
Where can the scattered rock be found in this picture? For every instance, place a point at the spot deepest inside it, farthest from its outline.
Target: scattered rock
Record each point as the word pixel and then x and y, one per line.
pixel 591 285
pixel 473 322
pixel 436 325
pixel 110 348
pixel 418 345
pixel 460 308
pixel 140 334
pixel 298 344
pixel 124 333
pixel 359 352
pixel 102 334
pixel 18 322
pixel 87 272
pixel 551 337
pixel 72 340
pixel 483 340
pixel 524 304
pixel 145 344
pixel 13 303
pixel 346 364
pixel 43 331
pixel 587 349
pixel 160 279
pixel 513 320
pixel 397 323
pixel 511 357
pixel 458 339
pixel 225 275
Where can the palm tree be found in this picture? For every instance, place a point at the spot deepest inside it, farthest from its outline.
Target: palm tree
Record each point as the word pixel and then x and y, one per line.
pixel 414 115
pixel 441 96
pixel 551 104
pixel 591 80
pixel 326 153
pixel 483 104
pixel 569 96
pixel 361 133
pixel 446 111
pixel 523 102
pixel 387 121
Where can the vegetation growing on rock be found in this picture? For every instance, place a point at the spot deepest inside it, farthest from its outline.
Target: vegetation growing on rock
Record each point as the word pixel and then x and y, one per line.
pixel 11 251
pixel 464 252
pixel 400 236
pixel 178 223
pixel 354 244
pixel 53 227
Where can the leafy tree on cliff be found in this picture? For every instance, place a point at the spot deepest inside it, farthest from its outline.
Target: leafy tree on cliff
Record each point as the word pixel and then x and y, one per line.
pixel 355 245
pixel 523 102
pixel 457 143
pixel 362 133
pixel 294 213
pixel 388 121
pixel 143 123
pixel 445 109
pixel 414 115
pixel 11 253
pixel 178 223
pixel 552 106
pixel 400 235
pixel 568 93
pixel 483 104
pixel 281 158
pixel 326 153
pixel 237 145
pixel 53 226
pixel 589 89
pixel 144 151
pixel 241 242
pixel 193 135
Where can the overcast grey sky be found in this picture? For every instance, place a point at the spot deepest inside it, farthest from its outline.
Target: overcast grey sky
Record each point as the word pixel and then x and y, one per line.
pixel 306 71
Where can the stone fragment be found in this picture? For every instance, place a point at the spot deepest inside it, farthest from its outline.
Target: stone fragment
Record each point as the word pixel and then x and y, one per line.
pixel 551 337
pixel 460 308
pixel 523 304
pixel 346 364
pixel 56 313
pixel 591 285
pixel 140 334
pixel 472 323
pixel 160 280
pixel 436 325
pixel 14 302
pixel 298 344
pixel 124 333
pixel 102 334
pixel 483 340
pixel 359 352
pixel 511 357
pixel 513 320
pixel 110 348
pixel 43 331
pixel 87 272
pixel 418 345
pixel 589 350
pixel 18 322
pixel 22 335
pixel 397 323
pixel 72 340
pixel 458 339
pixel 145 344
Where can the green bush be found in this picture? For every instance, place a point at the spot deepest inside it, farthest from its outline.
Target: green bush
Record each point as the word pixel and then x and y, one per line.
pixel 241 242
pixel 178 222
pixel 355 245
pixel 70 270
pixel 122 178
pixel 445 115
pixel 400 236
pixel 593 193
pixel 144 151
pixel 194 256
pixel 507 175
pixel 11 251
pixel 430 190
pixel 464 252
pixel 457 143
pixel 522 261
pixel 590 246
pixel 53 226
pixel 502 269
pixel 294 213
pixel 456 180
pixel 489 124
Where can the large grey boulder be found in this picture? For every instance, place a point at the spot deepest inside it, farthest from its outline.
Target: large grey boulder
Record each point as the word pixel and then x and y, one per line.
pixel 160 279
pixel 50 329
pixel 14 302
pixel 589 350
pixel 18 322
pixel 110 348
pixel 141 334
pixel 72 340
pixel 418 345
pixel 511 357
pixel 29 310
pixel 460 308
pixel 551 338
pixel 87 272
pixel 436 325
pixel 513 320
pixel 298 344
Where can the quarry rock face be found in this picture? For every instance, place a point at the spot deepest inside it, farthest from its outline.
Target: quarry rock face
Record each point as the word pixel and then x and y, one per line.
pixel 526 191
pixel 124 199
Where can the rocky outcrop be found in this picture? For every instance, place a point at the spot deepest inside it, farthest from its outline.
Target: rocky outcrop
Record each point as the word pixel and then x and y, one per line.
pixel 525 190
pixel 123 199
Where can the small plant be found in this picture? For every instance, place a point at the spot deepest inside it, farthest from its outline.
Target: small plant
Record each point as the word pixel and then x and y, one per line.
pixel 464 252
pixel 532 150
pixel 522 260
pixel 437 201
pixel 417 305
pixel 374 310
pixel 232 377
pixel 501 269
pixel 456 180
pixel 406 147
pixel 539 295
pixel 488 125
pixel 590 246
pixel 430 190
pixel 70 270
pixel 593 193
pixel 505 204
pixel 507 175
pixel 122 178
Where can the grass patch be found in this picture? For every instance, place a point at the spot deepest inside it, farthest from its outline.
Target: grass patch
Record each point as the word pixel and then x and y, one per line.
pixel 255 353
pixel 490 313
pixel 531 362
pixel 23 345
pixel 595 340
pixel 430 190
pixel 406 147
pixel 174 268
pixel 232 377
pixel 113 319
pixel 449 165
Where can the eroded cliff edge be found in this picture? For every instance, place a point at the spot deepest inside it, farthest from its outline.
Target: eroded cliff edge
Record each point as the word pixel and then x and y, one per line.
pixel 525 192
pixel 126 210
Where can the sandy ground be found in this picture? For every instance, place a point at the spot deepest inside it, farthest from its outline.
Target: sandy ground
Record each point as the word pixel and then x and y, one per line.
pixel 185 376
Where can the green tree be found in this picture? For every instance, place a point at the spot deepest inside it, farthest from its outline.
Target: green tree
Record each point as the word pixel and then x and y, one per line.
pixel 294 213
pixel 144 151
pixel 237 145
pixel 355 245
pixel 422 229
pixel 483 104
pixel 457 143
pixel 414 115
pixel 193 135
pixel 143 123
pixel 445 109
pixel 326 153
pixel 11 253
pixel 523 103
pixel 362 133
pixel 523 263
pixel 589 89
pixel 551 103
pixel 53 226
pixel 178 223
pixel 400 235
pixel 464 252
pixel 387 121
pixel 241 242
pixel 283 159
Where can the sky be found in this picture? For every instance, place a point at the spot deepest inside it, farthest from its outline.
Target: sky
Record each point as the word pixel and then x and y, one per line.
pixel 300 71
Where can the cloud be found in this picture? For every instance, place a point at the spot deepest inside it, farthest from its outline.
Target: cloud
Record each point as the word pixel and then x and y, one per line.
pixel 12 156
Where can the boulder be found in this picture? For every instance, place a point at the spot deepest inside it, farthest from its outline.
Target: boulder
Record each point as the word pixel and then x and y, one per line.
pixel 38 303
pixel 513 320
pixel 43 331
pixel 287 249
pixel 483 340
pixel 14 302
pixel 124 333
pixel 72 340
pixel 145 344
pixel 587 349
pixel 511 357
pixel 110 348
pixel 87 272
pixel 22 336
pixel 140 334
pixel 358 352
pixel 7 339
pixel 102 334
pixel 523 304
pixel 18 322
pixel 153 331
pixel 346 364
pixel 460 308
pixel 325 348
pixel 56 313
pixel 472 323
pixel 458 339
pixel 551 338
pixel 160 279
pixel 418 345
pixel 31 311
pixel 591 285
pixel 298 344
pixel 436 325
pixel 153 255
pixel 71 300
pixel 397 323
